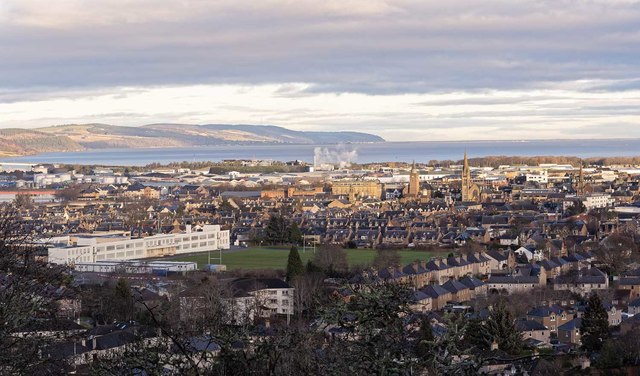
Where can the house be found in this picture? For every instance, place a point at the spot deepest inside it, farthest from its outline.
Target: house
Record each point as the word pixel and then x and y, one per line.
pixel 500 260
pixel 551 317
pixel 439 296
pixel 529 254
pixel 511 284
pixel 421 302
pixel 634 307
pixel 570 332
pixel 417 273
pixel 582 282
pixel 531 329
pixel 476 286
pixel 260 297
pixel 480 264
pixel 459 291
pixel 630 325
pixel 632 284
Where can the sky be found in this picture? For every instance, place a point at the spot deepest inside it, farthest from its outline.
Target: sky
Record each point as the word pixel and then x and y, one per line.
pixel 404 70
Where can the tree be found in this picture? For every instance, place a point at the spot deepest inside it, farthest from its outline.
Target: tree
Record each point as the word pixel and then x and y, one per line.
pixel 23 201
pixel 616 251
pixel 294 264
pixel 595 324
pixel 123 300
pixel 294 235
pixel 385 258
pixel 29 292
pixel 425 338
pixel 448 354
pixel 501 325
pixel 374 337
pixel 69 193
pixel 331 259
pixel 478 336
pixel 276 231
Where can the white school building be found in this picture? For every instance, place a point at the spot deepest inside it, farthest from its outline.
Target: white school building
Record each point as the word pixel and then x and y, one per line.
pixel 90 249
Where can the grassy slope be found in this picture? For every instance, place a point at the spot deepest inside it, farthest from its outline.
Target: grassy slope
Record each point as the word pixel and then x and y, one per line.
pixel 276 258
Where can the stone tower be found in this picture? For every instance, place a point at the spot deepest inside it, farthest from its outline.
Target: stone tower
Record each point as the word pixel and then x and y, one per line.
pixel 414 181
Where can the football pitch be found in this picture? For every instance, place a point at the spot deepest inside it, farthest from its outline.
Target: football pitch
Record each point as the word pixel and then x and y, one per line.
pixel 276 257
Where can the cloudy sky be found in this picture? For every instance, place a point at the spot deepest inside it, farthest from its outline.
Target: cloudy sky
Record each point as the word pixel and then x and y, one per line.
pixel 405 70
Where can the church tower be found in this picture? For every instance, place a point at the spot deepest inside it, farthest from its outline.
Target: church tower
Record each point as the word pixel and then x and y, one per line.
pixel 581 181
pixel 414 181
pixel 470 191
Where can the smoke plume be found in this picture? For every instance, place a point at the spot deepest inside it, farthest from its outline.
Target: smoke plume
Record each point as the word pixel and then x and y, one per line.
pixel 341 155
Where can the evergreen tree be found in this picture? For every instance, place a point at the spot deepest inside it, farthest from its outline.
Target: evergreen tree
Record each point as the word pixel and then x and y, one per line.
pixel 595 324
pixel 276 231
pixel 122 289
pixel 294 264
pixel 478 336
pixel 294 233
pixel 123 300
pixel 425 338
pixel 501 325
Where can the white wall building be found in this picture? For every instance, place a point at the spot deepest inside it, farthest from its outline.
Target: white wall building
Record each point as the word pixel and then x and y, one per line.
pixel 541 177
pixel 136 267
pixel 120 248
pixel 597 201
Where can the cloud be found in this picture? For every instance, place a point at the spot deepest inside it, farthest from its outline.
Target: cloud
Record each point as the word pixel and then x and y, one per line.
pixel 373 47
pixel 402 68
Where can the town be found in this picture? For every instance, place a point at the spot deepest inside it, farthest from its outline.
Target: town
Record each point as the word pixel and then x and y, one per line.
pixel 537 244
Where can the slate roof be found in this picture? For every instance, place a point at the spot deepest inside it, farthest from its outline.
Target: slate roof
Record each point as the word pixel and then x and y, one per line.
pixel 571 325
pixel 454 286
pixel 529 325
pixel 513 279
pixel 472 282
pixel 435 291
pixel 545 311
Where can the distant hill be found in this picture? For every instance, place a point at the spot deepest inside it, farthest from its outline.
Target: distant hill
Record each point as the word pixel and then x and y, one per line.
pixel 76 137
pixel 14 141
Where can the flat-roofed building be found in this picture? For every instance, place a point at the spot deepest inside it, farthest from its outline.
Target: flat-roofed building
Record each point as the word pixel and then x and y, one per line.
pixel 90 249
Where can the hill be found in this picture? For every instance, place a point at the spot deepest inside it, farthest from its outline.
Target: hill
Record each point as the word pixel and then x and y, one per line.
pixel 14 141
pixel 75 137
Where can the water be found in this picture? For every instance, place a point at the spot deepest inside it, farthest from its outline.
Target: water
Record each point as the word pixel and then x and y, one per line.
pixel 379 152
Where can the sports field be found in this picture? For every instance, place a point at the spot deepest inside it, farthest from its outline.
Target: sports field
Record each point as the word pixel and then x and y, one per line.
pixel 276 257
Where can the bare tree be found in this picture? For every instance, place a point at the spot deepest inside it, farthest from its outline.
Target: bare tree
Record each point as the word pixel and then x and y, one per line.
pixel 29 290
pixel 616 251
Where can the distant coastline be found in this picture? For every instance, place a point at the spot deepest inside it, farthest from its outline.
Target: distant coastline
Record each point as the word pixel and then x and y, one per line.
pixel 421 152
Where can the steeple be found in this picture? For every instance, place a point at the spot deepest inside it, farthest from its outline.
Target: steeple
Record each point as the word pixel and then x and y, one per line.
pixel 466 161
pixel 467 194
pixel 581 181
